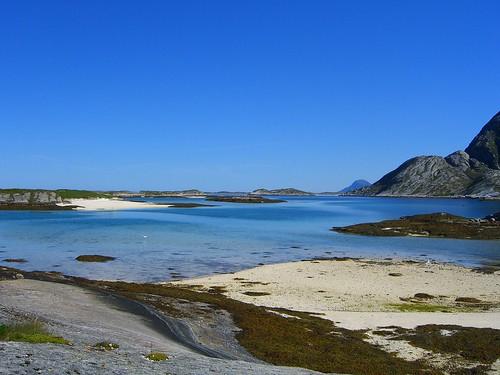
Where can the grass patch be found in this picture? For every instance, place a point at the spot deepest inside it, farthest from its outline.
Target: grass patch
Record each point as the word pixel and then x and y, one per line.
pixel 420 307
pixel 81 194
pixel 156 356
pixel 106 346
pixel 33 332
pixel 94 258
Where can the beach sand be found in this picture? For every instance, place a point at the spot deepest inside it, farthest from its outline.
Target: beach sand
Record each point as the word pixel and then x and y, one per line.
pixel 365 294
pixel 104 204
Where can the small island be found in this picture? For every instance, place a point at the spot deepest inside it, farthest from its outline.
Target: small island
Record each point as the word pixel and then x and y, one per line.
pixel 244 199
pixel 284 191
pixel 441 225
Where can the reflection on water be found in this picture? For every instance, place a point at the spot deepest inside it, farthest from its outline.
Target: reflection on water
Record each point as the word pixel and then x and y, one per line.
pixel 170 243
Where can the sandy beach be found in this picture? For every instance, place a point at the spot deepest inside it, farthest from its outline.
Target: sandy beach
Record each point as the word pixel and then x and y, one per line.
pixel 359 294
pixel 104 204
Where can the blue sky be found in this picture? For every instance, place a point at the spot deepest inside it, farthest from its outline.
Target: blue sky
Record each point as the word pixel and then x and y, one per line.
pixel 238 95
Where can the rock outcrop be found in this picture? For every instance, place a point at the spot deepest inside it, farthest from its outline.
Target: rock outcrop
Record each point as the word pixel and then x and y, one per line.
pixel 30 197
pixel 485 147
pixel 474 172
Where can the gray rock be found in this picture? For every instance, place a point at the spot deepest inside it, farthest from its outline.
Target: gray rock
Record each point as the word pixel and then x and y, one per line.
pixel 473 172
pixel 31 196
pixel 485 147
pixel 459 159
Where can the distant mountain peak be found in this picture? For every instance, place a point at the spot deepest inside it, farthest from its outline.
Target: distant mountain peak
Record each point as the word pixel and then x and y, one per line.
pixel 358 184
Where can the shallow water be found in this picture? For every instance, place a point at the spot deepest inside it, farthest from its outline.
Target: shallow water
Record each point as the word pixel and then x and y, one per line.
pixel 164 243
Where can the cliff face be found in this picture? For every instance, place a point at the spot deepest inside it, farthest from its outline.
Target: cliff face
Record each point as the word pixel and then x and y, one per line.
pixel 473 172
pixel 485 147
pixel 30 197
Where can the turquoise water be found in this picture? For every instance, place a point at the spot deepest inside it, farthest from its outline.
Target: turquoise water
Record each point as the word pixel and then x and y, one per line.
pixel 158 244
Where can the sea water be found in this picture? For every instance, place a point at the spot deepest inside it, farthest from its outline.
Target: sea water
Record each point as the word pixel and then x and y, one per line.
pixel 164 243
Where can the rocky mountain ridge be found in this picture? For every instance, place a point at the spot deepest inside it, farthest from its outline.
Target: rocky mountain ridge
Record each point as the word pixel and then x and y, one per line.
pixel 474 172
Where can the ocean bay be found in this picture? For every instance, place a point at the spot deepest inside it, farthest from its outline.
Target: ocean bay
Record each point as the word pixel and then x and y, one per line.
pixel 169 243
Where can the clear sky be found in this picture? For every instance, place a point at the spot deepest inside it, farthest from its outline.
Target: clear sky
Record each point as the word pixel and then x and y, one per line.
pixel 238 95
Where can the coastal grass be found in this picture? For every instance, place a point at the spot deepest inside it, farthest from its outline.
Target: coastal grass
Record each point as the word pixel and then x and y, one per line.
pixel 429 308
pixel 81 194
pixel 156 356
pixel 33 332
pixel 420 307
pixel 303 341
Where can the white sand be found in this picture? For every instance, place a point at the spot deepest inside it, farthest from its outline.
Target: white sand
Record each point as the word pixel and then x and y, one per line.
pixel 359 294
pixel 104 204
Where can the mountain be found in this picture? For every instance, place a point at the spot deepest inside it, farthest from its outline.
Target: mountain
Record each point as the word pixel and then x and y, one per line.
pixel 485 147
pixel 286 191
pixel 474 172
pixel 358 184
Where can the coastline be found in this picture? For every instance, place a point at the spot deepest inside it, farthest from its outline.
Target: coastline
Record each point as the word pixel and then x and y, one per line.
pixel 277 334
pixel 366 293
pixel 106 204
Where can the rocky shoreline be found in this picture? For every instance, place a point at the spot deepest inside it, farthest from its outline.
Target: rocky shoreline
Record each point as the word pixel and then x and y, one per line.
pixel 437 225
pixel 242 334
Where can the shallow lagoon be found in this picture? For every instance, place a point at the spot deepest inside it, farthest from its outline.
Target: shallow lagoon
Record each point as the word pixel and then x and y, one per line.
pixel 162 243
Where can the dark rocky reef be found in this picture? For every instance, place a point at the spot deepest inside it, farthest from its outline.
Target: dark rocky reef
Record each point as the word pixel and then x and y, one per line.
pixel 474 172
pixel 94 258
pixel 244 199
pixel 160 194
pixel 442 225
pixel 34 207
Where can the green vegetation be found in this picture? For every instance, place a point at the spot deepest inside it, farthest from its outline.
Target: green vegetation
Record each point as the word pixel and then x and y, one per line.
pixel 33 332
pixel 156 356
pixel 81 194
pixel 106 346
pixel 94 258
pixel 420 307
